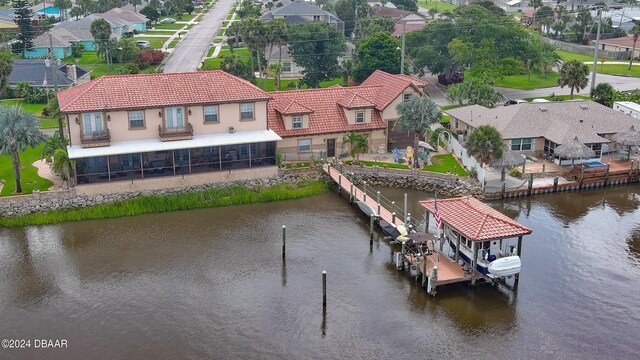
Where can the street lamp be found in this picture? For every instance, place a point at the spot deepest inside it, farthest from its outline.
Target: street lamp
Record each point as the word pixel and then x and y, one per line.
pixel 109 59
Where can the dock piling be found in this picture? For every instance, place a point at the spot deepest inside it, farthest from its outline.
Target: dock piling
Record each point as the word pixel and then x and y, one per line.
pixel 324 290
pixel 379 209
pixel 555 184
pixel 393 218
pixel 339 183
pixel 393 206
pixel 284 240
pixel 371 224
pixel 404 207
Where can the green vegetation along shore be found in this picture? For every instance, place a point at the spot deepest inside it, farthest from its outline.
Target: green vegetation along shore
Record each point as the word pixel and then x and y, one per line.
pixel 236 195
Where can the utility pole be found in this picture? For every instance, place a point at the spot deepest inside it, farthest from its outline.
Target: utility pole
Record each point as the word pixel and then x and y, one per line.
pixel 54 70
pixel 404 27
pixel 595 54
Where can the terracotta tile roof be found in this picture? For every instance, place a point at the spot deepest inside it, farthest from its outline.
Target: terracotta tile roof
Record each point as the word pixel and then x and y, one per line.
pixel 292 107
pixel 392 86
pixel 158 90
pixel 624 41
pixel 328 116
pixel 353 100
pixel 476 220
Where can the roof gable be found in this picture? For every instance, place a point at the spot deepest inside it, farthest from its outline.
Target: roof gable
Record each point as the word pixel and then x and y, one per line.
pixel 353 100
pixel 392 86
pixel 158 90
pixel 292 107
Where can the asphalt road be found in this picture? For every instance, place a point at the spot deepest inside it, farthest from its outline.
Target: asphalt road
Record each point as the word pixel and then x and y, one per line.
pixel 186 56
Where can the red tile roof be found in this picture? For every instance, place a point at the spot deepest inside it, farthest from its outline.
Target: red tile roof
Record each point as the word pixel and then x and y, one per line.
pixel 475 220
pixel 392 86
pixel 158 90
pixel 327 116
pixel 397 32
pixel 292 107
pixel 624 41
pixel 353 100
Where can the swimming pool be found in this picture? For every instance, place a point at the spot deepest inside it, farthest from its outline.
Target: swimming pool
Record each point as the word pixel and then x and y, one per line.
pixel 594 163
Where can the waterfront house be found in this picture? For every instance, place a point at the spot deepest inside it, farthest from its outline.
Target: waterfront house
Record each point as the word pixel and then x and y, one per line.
pixel 314 121
pixel 300 12
pixel 36 73
pixel 146 126
pixel 537 128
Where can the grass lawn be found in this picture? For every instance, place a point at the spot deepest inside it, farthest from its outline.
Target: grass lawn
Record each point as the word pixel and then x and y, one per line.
pixel 45 122
pixel 221 31
pixel 561 97
pixel 390 165
pixel 229 17
pixel 445 163
pixel 190 26
pixel 445 119
pixel 573 56
pixel 158 32
pixel 173 44
pixel 619 69
pixel 169 26
pixel 185 17
pixel 28 172
pixel 449 107
pixel 538 80
pixel 211 64
pixel 441 6
pixel 90 61
pixel 156 42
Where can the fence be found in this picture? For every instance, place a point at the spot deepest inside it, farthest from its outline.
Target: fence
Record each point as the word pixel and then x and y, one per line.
pixel 453 146
pixel 588 50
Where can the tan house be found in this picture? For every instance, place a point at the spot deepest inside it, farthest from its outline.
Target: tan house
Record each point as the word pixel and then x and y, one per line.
pixel 163 125
pixel 537 128
pixel 621 45
pixel 314 121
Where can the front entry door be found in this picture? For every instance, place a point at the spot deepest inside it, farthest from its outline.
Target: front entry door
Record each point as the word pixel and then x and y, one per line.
pixel 331 147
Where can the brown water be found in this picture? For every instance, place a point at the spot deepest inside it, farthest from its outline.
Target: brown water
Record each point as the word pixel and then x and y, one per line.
pixel 210 283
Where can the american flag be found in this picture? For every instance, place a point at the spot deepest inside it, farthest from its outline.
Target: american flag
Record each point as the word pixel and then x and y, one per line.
pixel 437 213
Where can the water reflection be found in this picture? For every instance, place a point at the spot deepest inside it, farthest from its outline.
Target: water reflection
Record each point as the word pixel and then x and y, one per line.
pixel 634 245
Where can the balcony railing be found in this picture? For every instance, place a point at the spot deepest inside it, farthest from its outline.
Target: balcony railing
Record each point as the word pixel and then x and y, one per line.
pixel 171 134
pixel 96 139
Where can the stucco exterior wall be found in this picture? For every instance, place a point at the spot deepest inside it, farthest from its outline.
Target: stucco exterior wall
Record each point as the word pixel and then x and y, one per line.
pixel 289 145
pixel 351 115
pixel 390 112
pixel 229 116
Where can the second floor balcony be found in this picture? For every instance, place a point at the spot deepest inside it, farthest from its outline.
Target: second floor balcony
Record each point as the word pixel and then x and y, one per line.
pixel 175 133
pixel 96 139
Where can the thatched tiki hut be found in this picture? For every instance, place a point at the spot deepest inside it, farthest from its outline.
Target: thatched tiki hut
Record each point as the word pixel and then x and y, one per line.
pixel 509 159
pixel 627 138
pixel 573 150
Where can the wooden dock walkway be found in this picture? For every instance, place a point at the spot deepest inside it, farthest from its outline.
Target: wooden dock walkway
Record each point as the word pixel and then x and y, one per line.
pixel 448 271
pixel 345 185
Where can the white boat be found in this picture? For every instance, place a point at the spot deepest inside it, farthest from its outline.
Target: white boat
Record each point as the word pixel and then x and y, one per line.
pixel 505 266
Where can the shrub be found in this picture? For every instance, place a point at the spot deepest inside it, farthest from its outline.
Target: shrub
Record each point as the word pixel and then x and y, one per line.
pixel 76 50
pixel 127 69
pixel 515 172
pixel 45 111
pixel 148 57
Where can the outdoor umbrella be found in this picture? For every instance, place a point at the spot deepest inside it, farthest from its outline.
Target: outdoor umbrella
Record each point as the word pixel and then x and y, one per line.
pixel 627 138
pixel 509 159
pixel 573 150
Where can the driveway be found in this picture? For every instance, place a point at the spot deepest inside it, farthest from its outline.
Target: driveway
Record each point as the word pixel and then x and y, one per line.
pixel 188 54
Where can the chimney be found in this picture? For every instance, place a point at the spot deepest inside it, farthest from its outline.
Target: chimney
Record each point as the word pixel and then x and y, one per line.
pixel 71 72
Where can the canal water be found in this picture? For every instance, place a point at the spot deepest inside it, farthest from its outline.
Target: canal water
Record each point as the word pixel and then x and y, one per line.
pixel 211 283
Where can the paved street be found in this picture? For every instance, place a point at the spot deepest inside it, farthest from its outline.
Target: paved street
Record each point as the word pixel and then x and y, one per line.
pixel 188 54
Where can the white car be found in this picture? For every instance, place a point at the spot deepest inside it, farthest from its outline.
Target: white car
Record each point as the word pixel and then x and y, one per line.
pixel 539 100
pixel 167 21
pixel 143 43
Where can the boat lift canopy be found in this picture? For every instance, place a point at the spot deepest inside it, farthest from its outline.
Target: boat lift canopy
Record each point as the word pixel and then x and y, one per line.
pixel 475 220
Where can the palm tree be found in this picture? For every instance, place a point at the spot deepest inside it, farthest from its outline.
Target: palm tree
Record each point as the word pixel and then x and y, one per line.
pixel 346 68
pixel 18 130
pixel 549 58
pixel 603 93
pixel 635 32
pixel 574 74
pixel 275 70
pixel 535 4
pixel 457 93
pixel 62 165
pixel 485 143
pixel 359 144
pixel 416 114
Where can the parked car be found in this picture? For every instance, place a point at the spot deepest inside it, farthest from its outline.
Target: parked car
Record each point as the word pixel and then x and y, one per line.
pixel 143 43
pixel 168 21
pixel 514 102
pixel 539 100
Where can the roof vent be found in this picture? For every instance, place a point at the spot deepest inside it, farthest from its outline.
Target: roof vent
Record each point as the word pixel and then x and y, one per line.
pixel 543 108
pixel 583 106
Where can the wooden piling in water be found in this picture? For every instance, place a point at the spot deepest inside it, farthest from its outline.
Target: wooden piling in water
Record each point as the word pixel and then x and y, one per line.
pixel 324 289
pixel 284 240
pixel 404 207
pixel 371 224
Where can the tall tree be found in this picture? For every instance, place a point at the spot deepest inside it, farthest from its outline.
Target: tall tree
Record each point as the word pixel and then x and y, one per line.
pixel 604 94
pixel 151 13
pixel 101 32
pixel 457 93
pixel 18 131
pixel 485 143
pixel 63 5
pixel 26 31
pixel 135 4
pixel 416 115
pixel 346 68
pixel 535 4
pixel 635 32
pixel 87 6
pixel 378 52
pixel 574 74
pixel 349 11
pixel 76 12
pixel 368 26
pixel 6 65
pixel 316 47
pixel 480 92
pixel 409 5
pixel 235 65
pixel 277 36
